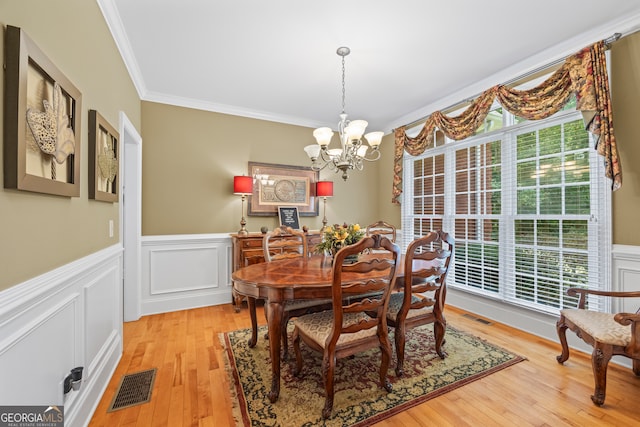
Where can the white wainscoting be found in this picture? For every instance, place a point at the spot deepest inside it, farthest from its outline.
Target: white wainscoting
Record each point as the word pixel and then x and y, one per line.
pixel 185 271
pixel 625 274
pixel 68 317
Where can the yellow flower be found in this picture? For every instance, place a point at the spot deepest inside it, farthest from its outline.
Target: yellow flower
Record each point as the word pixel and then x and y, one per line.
pixel 338 236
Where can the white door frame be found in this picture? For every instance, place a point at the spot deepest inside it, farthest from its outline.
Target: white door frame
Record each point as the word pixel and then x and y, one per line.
pixel 131 217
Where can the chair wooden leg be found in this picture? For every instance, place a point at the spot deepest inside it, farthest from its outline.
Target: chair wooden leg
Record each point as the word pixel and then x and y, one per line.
pixel 251 303
pixel 439 328
pixel 600 361
pixel 636 367
pixel 400 340
pixel 561 328
pixel 285 337
pixel 296 349
pixel 385 348
pixel 328 370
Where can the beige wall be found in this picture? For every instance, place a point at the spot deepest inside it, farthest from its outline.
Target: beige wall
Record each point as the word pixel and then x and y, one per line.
pixel 191 156
pixel 625 93
pixel 40 232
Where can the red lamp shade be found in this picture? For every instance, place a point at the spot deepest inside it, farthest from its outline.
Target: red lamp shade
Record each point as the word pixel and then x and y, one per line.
pixel 324 189
pixel 242 185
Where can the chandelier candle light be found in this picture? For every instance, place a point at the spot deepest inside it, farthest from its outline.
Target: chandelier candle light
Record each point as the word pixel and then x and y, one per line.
pixel 353 152
pixel 324 189
pixel 243 186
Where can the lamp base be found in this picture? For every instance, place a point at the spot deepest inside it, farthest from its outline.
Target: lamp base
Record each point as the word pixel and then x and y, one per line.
pixel 324 220
pixel 243 222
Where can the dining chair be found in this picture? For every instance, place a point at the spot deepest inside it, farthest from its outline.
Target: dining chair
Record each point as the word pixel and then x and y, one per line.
pixel 422 299
pixel 282 243
pixel 347 328
pixel 383 228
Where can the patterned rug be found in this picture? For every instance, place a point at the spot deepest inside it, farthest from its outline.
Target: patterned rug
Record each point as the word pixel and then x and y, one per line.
pixel 359 399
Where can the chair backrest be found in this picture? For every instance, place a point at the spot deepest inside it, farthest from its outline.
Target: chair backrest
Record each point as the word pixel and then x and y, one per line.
pixel 426 265
pixel 284 242
pixel 382 228
pixel 364 286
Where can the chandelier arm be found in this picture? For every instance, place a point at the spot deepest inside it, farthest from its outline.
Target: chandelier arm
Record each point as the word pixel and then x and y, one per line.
pixel 325 156
pixel 376 156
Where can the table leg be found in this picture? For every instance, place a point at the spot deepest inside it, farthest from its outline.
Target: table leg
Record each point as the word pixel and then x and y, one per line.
pixel 275 310
pixel 251 303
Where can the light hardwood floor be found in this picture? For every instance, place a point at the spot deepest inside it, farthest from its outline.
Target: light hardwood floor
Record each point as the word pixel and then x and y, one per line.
pixel 191 387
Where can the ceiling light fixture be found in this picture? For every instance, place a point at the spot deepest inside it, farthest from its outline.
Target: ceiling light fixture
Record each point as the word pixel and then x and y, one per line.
pixel 353 151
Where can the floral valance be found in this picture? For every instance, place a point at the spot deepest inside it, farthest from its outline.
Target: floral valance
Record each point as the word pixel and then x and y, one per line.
pixel 584 74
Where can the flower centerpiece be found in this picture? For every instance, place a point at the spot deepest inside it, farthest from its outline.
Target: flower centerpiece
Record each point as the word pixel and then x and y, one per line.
pixel 335 237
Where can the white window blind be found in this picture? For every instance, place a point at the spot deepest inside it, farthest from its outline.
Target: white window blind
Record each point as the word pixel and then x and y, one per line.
pixel 527 203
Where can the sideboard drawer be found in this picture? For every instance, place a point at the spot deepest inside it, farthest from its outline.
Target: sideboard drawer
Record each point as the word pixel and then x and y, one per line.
pixel 252 243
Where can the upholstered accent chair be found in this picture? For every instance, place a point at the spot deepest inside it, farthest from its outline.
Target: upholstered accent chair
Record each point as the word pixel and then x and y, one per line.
pixel 422 299
pixel 609 335
pixel 357 289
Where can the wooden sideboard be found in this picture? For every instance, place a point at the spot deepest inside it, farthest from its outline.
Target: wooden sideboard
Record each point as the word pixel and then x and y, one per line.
pixel 247 250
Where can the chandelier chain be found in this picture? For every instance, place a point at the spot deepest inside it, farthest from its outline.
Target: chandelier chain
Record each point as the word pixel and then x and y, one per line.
pixel 343 85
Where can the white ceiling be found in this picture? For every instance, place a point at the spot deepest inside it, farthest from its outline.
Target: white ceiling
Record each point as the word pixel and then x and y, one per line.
pixel 276 60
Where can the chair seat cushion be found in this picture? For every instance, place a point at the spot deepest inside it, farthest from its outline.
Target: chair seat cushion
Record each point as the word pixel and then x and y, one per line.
pixel 395 303
pixel 304 303
pixel 600 326
pixel 318 326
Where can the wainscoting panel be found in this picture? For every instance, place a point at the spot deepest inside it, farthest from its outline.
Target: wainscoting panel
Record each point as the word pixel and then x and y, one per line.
pixel 103 315
pixel 41 352
pixel 626 275
pixel 185 271
pixel 68 317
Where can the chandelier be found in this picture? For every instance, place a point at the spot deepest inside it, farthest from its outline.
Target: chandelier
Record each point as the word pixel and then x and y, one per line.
pixel 352 152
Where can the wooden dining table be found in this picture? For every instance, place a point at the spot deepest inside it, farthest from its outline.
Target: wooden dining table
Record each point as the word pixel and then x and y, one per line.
pixel 285 280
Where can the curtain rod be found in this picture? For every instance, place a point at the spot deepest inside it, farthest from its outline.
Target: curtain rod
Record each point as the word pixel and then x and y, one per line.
pixel 608 41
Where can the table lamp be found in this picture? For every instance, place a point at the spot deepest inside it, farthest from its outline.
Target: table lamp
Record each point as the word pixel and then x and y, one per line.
pixel 324 189
pixel 243 186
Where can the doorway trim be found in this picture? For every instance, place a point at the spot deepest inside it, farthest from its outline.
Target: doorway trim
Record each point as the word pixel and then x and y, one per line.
pixel 131 217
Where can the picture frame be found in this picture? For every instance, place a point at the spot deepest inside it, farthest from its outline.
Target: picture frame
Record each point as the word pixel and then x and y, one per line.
pixel 104 159
pixel 276 185
pixel 289 217
pixel 42 139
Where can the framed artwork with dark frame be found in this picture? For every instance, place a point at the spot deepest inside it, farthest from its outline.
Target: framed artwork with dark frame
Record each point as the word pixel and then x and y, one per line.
pixel 281 185
pixel 41 121
pixel 104 159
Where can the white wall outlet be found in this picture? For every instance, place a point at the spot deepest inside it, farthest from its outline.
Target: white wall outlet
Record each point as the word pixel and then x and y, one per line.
pixel 110 228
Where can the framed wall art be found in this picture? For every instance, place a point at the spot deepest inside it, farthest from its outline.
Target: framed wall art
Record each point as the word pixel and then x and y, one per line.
pixel 41 121
pixel 281 185
pixel 104 158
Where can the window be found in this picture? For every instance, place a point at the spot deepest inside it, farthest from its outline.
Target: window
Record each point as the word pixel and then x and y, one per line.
pixel 527 205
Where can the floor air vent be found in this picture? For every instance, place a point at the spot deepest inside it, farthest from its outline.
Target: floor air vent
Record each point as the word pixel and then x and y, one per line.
pixel 134 389
pixel 477 319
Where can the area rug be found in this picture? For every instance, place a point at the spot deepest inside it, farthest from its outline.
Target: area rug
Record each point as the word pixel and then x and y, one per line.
pixel 359 400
